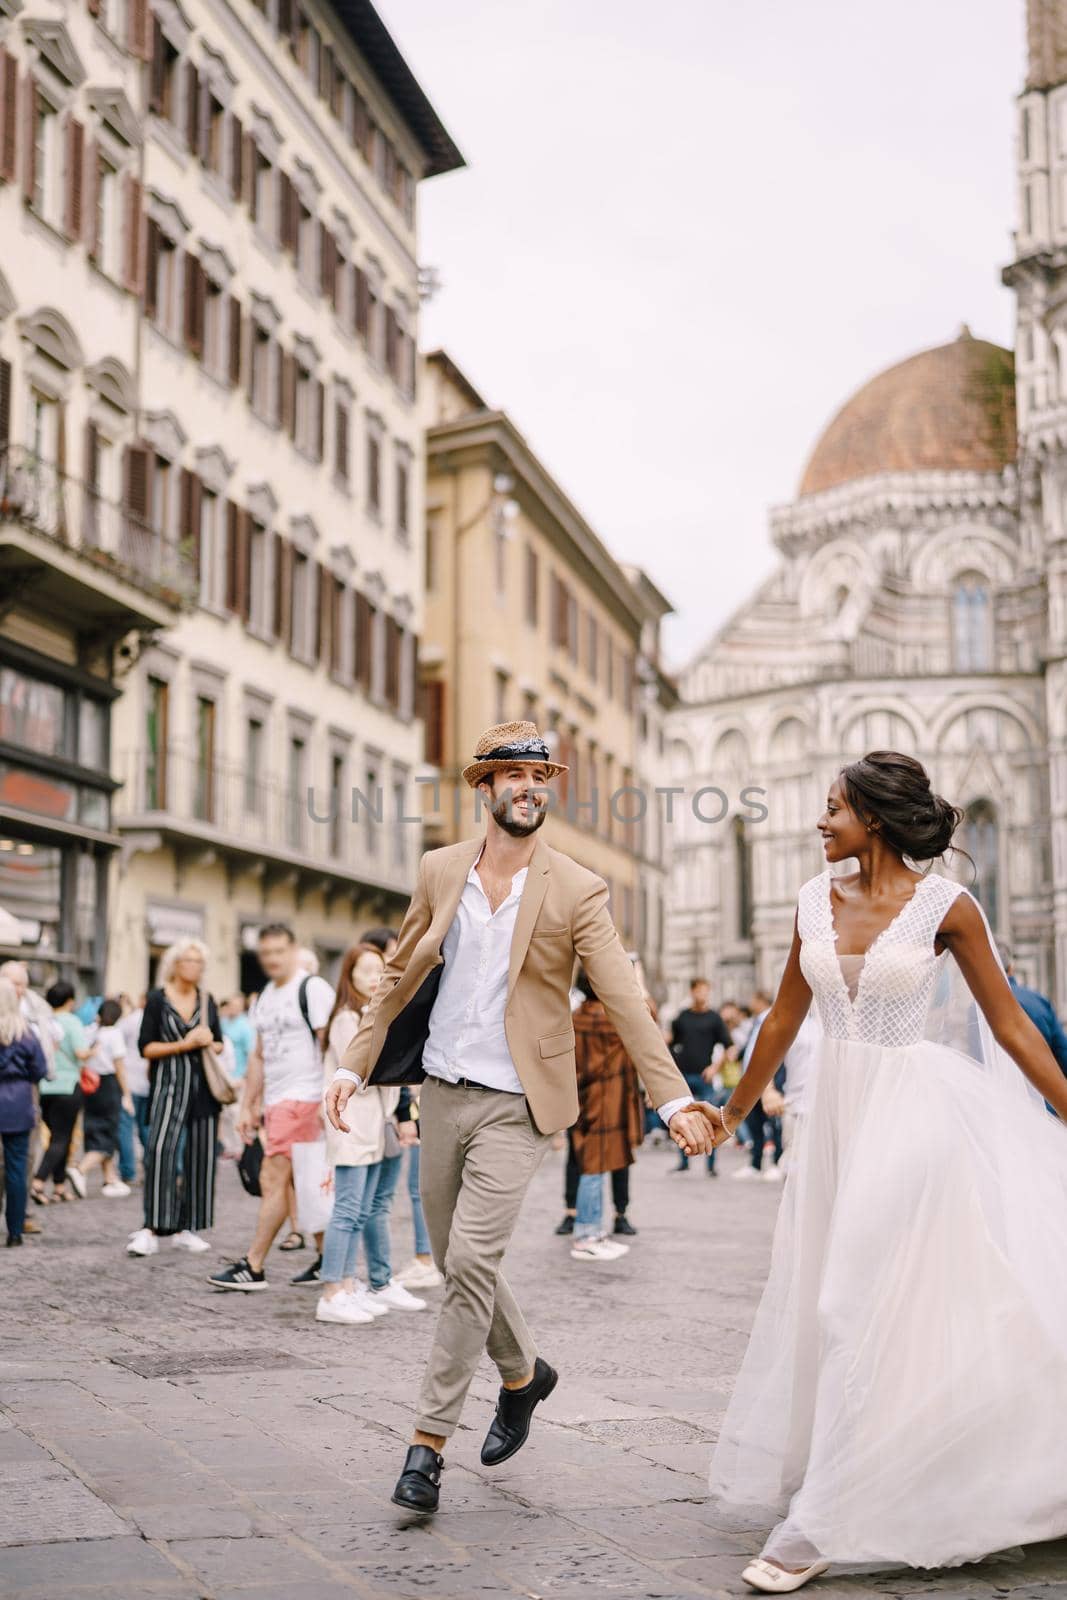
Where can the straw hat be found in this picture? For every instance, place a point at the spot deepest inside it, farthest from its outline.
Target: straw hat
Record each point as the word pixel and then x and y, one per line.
pixel 504 745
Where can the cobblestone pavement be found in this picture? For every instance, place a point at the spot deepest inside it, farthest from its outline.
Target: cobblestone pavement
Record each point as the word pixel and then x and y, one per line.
pixel 160 1439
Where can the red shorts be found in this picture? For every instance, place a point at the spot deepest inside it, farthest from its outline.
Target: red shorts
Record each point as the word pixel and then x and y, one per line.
pixel 289 1122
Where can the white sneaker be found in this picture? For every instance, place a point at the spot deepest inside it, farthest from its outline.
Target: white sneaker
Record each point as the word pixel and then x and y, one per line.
pixel 341 1308
pixel 745 1174
pixel 420 1275
pixel 77 1182
pixel 117 1190
pixel 598 1250
pixel 772 1174
pixel 396 1297
pixel 369 1302
pixel 142 1243
pixel 188 1240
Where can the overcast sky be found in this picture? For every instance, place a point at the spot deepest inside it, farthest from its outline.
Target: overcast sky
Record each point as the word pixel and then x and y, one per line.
pixel 689 230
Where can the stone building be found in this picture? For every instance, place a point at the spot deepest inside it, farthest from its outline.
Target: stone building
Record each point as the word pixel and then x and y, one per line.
pixel 529 616
pixel 209 328
pixel 912 608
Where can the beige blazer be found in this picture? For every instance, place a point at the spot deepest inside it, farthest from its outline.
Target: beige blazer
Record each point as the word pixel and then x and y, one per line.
pixel 563 913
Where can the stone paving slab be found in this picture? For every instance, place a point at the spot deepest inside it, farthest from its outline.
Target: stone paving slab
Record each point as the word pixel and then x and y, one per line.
pixel 202 1446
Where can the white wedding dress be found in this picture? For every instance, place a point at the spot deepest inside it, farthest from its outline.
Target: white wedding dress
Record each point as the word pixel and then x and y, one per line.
pixel 903 1398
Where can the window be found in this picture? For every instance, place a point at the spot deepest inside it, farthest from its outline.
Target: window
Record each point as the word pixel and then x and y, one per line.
pixel 500 555
pixel 1025 134
pixel 213 135
pixel 156 709
pixel 340 439
pixel 261 388
pixel 591 646
pixel 402 499
pixel 296 785
pixel 212 551
pixel 162 508
pixel 204 788
pixel 609 668
pixel 981 841
pixel 431 555
pixel 374 473
pixel 972 624
pixel 162 288
pixel 1028 210
pixel 373 806
pixel 253 774
pixel 307 431
pixel 107 223
pixel 307 235
pixel 45 424
pixel 399 827
pixel 260 597
pixel 47 161
pixel 115 18
pixel 532 584
pixel 301 627
pixel 500 696
pixel 263 192
pixel 742 879
pixel 337 806
pixel 216 349
pixel 529 706
pixel 166 77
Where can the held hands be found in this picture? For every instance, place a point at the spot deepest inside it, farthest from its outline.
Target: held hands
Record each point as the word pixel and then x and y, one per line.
pixel 728 1124
pixel 336 1098
pixel 694 1129
pixel 408 1134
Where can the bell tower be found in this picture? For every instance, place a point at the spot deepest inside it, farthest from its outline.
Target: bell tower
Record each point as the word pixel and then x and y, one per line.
pixel 1038 276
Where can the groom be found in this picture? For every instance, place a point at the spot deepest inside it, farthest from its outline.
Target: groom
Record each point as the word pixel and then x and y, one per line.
pixel 475 1000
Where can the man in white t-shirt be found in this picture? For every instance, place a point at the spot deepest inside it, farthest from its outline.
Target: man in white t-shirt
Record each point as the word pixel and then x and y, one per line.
pixel 282 1090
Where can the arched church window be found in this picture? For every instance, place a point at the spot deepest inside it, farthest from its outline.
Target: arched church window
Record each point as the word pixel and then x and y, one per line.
pixel 980 837
pixel 742 878
pixel 972 624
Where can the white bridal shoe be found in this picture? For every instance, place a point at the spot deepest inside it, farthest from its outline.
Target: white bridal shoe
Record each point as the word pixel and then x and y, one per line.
pixel 769 1579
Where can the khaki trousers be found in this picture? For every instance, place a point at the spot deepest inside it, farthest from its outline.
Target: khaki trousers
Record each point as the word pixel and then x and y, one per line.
pixel 480 1150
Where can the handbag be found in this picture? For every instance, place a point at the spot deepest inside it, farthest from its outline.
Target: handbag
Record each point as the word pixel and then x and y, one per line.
pixel 393 1147
pixel 88 1080
pixel 219 1086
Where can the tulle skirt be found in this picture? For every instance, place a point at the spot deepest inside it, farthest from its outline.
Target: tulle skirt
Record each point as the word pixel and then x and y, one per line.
pixel 904 1392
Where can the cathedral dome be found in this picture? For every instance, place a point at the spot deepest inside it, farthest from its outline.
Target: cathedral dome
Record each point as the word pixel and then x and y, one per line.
pixel 944 410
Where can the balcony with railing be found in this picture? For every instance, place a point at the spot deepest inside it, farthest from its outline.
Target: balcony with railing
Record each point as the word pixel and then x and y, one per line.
pixel 82 557
pixel 206 810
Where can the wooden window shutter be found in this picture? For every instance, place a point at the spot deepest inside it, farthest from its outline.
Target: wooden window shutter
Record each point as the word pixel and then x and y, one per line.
pixel 137 474
pixel 285 17
pixel 364 630
pixel 393 636
pixel 287 394
pixel 362 303
pixel 326 75
pixel 9 116
pixel 320 420
pixel 203 127
pixel 283 590
pixel 232 514
pixel 340 435
pixel 133 255
pixel 29 154
pixel 433 711
pixel 92 458
pixel 237 158
pixel 192 107
pixel 158 59
pixel 235 340
pixel 251 334
pixel 140 34
pixel 244 565
pixel 190 514
pixel 193 338
pixel 249 173
pixel 75 177
pixel 323 631
pixel 92 181
pixel 5 404
pixel 94 8
pixel 151 273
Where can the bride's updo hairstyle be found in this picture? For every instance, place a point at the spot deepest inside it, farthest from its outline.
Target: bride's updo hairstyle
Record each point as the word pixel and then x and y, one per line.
pixel 894 790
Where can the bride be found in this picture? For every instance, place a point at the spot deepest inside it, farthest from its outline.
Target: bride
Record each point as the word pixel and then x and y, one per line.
pixel 901 1401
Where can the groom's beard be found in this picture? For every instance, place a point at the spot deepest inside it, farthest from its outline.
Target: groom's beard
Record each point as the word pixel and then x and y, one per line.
pixel 505 818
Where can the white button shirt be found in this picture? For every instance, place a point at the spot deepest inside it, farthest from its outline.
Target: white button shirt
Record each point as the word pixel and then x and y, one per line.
pixel 466 1035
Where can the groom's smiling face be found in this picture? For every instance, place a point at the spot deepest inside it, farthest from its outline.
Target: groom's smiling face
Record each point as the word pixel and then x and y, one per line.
pixel 518 798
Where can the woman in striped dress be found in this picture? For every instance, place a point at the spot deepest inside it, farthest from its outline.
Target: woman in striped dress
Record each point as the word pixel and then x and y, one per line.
pixel 182 1112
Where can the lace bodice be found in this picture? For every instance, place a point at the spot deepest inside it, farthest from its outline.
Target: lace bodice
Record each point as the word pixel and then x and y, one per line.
pixel 895 982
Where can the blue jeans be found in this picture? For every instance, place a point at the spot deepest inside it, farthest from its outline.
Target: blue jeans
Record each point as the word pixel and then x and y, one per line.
pixel 127 1148
pixel 589 1207
pixel 422 1238
pixel 376 1227
pixel 16 1177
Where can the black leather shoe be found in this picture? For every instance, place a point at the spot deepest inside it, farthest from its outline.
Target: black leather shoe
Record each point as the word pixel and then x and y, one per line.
pixel 514 1409
pixel 419 1485
pixel 566 1226
pixel 624 1225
